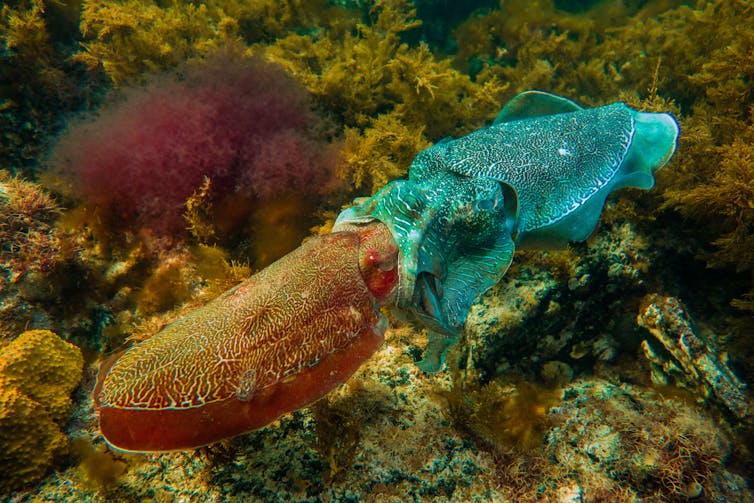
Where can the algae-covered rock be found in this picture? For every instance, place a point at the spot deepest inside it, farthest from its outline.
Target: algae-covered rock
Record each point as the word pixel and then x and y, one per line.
pixel 28 239
pixel 31 249
pixel 39 83
pixel 45 368
pixel 568 305
pixel 38 372
pixel 687 358
pixel 622 443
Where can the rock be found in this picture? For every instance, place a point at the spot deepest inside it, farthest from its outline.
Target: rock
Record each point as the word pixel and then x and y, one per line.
pixel 622 443
pixel 689 358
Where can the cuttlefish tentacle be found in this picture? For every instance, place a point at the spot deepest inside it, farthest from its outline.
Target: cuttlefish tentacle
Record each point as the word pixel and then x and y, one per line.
pixel 429 246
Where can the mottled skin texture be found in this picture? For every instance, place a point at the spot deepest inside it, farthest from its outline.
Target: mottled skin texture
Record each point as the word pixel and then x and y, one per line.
pixel 544 162
pixel 429 245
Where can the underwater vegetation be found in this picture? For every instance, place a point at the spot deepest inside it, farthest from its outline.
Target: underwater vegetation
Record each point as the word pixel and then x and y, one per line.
pixel 614 443
pixel 34 255
pixel 131 38
pixel 657 450
pixel 29 241
pixel 500 416
pixel 235 129
pixel 391 97
pixel 728 195
pixel 39 81
pixel 369 84
pixel 370 71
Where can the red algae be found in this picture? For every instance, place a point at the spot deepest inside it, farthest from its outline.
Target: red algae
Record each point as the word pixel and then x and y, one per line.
pixel 240 122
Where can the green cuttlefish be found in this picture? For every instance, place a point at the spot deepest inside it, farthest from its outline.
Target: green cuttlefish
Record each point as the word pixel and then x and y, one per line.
pixel 537 177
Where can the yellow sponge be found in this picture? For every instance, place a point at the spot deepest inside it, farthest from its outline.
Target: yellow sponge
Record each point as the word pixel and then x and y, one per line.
pixel 38 372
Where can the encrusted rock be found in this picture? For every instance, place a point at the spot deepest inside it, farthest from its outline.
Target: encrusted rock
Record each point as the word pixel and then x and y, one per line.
pixel 689 357
pixel 567 305
pixel 622 443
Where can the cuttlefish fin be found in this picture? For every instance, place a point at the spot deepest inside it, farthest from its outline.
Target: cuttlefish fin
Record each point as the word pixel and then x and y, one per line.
pixel 535 104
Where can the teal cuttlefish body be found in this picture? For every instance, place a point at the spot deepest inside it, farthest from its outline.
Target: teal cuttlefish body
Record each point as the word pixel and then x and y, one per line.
pixel 429 246
pixel 537 177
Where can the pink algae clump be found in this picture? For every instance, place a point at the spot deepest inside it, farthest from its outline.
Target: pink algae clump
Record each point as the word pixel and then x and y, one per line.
pixel 240 122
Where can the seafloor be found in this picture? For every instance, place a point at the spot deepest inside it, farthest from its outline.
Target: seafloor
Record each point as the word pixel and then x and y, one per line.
pixel 155 152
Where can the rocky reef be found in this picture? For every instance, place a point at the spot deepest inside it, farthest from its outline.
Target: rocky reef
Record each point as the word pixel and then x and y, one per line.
pixel 393 433
pixel 618 369
pixel 691 359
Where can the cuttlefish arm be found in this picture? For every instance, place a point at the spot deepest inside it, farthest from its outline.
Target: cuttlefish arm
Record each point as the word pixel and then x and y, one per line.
pixel 273 344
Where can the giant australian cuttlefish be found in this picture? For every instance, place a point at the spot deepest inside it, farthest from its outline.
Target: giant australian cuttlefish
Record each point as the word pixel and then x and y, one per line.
pixel 429 246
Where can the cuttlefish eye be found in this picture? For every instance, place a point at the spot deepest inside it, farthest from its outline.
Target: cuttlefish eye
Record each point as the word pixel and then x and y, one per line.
pixel 378 262
pixel 487 204
pixel 488 196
